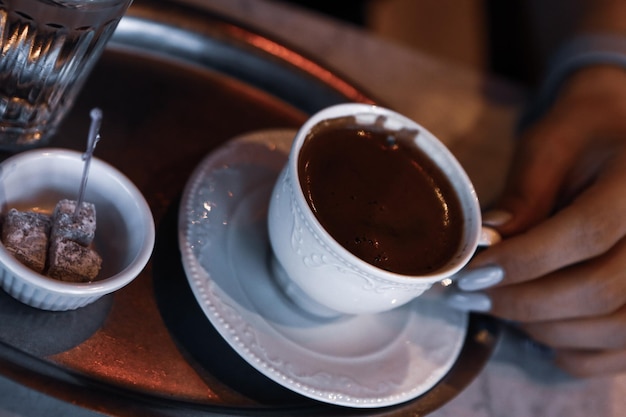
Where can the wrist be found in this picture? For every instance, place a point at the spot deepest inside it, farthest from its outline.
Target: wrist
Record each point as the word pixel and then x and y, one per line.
pixel 592 50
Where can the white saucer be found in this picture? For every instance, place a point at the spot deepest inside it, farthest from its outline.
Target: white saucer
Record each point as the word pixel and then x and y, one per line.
pixel 357 361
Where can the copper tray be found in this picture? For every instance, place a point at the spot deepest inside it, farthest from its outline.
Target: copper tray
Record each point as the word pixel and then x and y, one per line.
pixel 174 83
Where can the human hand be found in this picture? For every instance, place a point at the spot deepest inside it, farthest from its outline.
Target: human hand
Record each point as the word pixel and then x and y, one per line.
pixel 560 271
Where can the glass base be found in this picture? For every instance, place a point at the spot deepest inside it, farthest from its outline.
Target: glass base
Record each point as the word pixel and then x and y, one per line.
pixel 15 139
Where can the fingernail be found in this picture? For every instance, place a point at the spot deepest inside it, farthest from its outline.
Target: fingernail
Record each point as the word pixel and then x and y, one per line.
pixel 496 218
pixel 469 301
pixel 479 278
pixel 488 237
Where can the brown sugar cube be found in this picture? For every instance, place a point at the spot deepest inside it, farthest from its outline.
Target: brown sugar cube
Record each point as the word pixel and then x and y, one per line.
pixel 25 235
pixel 70 261
pixel 80 228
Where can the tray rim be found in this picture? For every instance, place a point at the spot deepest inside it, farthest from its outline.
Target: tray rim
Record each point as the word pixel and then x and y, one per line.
pixel 35 372
pixel 218 29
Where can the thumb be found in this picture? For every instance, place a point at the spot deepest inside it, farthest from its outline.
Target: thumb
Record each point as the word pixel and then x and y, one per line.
pixel 544 156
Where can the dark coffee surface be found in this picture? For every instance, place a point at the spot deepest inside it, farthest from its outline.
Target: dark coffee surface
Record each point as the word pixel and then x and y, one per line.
pixel 380 197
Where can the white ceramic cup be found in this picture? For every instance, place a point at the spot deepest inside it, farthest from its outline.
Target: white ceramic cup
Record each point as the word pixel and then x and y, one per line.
pixel 324 278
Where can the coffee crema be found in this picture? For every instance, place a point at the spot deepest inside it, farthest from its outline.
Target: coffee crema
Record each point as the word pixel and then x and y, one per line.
pixel 380 197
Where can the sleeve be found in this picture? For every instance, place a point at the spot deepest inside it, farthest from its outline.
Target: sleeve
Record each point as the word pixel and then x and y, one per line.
pixel 579 52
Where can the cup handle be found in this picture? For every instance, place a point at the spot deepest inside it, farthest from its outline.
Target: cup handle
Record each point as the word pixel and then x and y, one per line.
pixel 488 236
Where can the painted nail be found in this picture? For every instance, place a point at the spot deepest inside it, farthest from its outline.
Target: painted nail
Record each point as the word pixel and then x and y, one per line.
pixel 496 218
pixel 480 278
pixel 474 301
pixel 488 236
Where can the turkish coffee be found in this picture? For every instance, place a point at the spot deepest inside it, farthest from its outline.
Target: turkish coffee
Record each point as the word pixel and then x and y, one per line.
pixel 381 197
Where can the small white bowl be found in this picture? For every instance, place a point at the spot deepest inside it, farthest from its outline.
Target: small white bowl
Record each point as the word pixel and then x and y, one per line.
pixel 125 230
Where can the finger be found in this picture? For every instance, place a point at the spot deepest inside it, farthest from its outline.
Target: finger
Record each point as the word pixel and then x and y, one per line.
pixel 590 226
pixel 542 161
pixel 601 333
pixel 593 288
pixel 584 363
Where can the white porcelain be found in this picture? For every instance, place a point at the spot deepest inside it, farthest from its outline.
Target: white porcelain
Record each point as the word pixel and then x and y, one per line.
pixel 321 275
pixel 370 360
pixel 125 230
